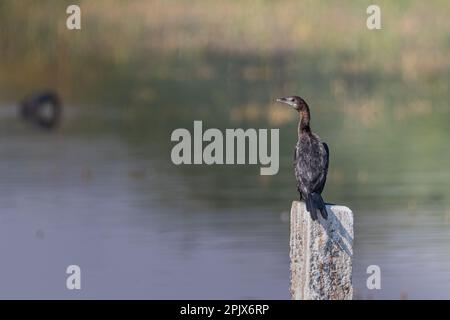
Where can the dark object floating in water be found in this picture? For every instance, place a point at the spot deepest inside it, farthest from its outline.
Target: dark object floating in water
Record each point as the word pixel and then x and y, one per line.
pixel 311 158
pixel 42 109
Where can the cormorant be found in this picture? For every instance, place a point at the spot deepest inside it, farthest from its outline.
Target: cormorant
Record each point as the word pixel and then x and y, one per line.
pixel 310 160
pixel 42 108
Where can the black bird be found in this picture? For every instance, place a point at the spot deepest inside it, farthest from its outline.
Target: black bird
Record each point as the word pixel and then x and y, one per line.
pixel 310 160
pixel 43 108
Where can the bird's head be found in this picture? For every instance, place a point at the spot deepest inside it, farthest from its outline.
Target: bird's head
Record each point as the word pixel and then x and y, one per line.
pixel 294 101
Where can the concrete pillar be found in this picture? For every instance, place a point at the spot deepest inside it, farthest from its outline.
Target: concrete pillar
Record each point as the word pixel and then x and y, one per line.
pixel 321 254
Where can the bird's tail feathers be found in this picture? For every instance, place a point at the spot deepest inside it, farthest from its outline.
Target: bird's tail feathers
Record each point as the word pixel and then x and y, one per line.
pixel 310 207
pixel 315 202
pixel 320 204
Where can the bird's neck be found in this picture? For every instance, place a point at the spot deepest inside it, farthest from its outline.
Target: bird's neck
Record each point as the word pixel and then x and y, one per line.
pixel 303 125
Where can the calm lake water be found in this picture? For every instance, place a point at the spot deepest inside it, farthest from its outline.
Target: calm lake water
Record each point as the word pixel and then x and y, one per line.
pixel 140 227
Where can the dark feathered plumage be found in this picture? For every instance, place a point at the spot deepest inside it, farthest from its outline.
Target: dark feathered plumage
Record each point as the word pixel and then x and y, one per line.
pixel 42 108
pixel 311 158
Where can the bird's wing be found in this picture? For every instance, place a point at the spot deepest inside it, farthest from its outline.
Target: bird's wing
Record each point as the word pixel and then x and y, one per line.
pixel 311 171
pixel 326 157
pixel 326 161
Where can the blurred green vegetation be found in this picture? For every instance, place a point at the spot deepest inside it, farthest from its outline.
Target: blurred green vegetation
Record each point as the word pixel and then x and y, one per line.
pixel 380 98
pixel 142 44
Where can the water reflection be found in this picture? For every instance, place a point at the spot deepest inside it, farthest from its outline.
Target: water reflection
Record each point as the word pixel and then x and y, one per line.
pixel 141 227
pixel 129 239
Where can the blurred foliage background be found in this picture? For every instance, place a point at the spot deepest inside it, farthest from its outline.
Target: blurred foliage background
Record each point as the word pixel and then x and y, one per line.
pixel 158 65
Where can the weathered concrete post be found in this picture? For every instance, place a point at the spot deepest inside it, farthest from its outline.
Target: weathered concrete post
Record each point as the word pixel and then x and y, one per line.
pixel 321 254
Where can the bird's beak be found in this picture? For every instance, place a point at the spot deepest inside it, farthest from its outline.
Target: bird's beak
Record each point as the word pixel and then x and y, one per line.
pixel 285 100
